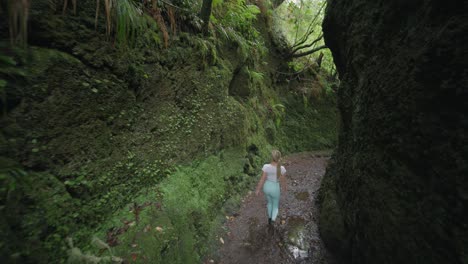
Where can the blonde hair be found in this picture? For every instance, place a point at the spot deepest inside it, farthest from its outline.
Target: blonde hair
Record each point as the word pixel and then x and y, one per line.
pixel 276 157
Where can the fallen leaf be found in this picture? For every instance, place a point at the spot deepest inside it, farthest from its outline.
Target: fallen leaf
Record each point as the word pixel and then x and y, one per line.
pixel 134 256
pixel 227 217
pixel 147 228
pixel 159 229
pixel 283 222
pixel 221 240
pixel 211 261
pixel 134 245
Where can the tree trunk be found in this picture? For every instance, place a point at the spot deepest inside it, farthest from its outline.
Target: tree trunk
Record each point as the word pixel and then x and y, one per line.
pixel 205 14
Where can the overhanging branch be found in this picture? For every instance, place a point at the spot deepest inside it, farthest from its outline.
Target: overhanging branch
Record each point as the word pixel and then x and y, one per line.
pixel 296 49
pixel 305 53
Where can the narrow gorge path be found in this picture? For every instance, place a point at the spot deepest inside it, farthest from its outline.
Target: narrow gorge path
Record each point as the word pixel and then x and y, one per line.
pixel 296 238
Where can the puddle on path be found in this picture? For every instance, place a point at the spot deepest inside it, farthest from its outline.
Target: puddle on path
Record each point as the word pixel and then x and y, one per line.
pixel 302 196
pixel 298 245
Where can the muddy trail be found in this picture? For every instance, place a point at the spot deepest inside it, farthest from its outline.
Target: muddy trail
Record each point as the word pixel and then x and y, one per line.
pixel 295 237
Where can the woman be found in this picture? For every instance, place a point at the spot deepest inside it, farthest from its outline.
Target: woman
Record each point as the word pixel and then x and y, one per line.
pixel 273 174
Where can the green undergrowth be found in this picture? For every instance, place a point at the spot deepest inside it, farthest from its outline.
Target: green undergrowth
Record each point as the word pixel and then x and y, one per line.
pixel 175 221
pixel 179 220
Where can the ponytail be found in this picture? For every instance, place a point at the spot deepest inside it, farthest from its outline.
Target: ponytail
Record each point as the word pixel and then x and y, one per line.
pixel 276 157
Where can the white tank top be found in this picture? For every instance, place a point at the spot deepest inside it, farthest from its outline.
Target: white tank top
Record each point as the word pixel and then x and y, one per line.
pixel 270 171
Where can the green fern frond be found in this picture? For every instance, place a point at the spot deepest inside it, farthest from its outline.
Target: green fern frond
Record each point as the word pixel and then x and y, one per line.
pixel 255 77
pixel 207 50
pixel 129 21
pixel 279 111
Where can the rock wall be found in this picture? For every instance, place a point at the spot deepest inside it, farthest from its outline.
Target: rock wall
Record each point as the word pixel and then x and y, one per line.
pixel 88 125
pixel 397 189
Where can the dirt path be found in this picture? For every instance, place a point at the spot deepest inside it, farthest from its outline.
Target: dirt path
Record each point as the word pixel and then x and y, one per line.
pixel 295 238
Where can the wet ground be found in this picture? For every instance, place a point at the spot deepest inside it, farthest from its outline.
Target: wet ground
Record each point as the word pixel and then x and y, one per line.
pixel 294 237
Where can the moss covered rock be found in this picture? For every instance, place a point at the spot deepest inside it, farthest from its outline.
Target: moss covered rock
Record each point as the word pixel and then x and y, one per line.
pixel 399 180
pixel 97 123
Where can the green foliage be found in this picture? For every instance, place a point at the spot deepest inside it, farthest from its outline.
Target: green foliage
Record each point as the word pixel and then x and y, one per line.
pixel 296 65
pixel 185 215
pixel 237 15
pixel 309 124
pixel 301 23
pixel 207 50
pixel 234 21
pixel 42 223
pixel 76 256
pixel 278 113
pixel 129 22
pixel 10 173
pixel 122 147
pixel 8 66
pixel 256 78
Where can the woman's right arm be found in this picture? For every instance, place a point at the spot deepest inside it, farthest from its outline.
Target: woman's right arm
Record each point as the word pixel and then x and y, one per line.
pixel 260 183
pixel 283 183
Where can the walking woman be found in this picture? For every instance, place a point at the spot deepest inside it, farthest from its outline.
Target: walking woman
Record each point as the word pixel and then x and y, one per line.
pixel 273 175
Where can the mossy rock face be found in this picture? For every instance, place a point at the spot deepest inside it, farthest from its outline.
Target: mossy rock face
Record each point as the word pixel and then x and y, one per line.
pixel 307 125
pixel 91 124
pixel 400 170
pixel 240 84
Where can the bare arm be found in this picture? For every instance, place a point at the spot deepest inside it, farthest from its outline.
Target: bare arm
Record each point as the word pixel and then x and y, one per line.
pixel 283 182
pixel 260 183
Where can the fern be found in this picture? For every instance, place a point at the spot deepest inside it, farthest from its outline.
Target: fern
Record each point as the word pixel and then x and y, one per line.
pixel 279 111
pixel 207 50
pixel 239 16
pixel 231 35
pixel 255 77
pixel 129 21
pixel 234 23
pixel 124 18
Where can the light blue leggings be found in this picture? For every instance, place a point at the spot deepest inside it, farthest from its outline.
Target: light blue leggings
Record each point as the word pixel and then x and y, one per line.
pixel 272 194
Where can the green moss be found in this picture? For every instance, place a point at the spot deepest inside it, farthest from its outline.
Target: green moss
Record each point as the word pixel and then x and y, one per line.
pixel 38 213
pixel 311 126
pixel 184 213
pixel 105 123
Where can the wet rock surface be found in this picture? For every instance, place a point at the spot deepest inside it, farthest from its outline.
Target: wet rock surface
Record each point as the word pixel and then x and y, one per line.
pixel 294 238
